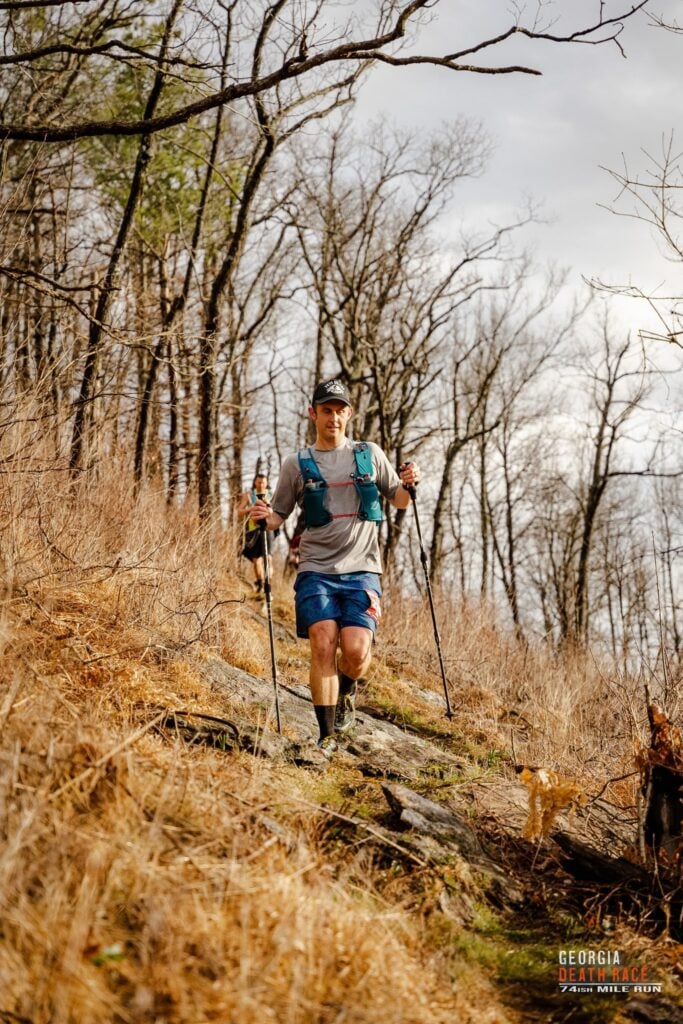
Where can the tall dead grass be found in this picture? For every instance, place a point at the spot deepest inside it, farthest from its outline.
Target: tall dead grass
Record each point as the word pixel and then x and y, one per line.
pixel 142 880
pixel 106 561
pixel 564 710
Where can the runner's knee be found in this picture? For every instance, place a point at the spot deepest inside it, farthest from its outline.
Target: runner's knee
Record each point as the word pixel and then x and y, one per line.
pixel 356 646
pixel 323 640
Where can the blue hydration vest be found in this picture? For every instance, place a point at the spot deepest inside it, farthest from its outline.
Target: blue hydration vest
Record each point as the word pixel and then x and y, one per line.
pixel 316 512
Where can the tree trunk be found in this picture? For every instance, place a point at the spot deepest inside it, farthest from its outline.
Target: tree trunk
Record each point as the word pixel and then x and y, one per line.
pixel 170 310
pixel 172 427
pixel 662 778
pixel 97 325
pixel 484 519
pixel 436 546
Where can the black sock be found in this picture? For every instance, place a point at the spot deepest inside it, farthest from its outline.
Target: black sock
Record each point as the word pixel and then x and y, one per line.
pixel 347 685
pixel 325 715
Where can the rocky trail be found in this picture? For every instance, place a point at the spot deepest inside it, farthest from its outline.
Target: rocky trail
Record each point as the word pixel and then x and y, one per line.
pixel 573 889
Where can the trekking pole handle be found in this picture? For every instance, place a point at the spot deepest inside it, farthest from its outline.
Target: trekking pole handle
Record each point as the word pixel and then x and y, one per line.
pixel 411 488
pixel 262 523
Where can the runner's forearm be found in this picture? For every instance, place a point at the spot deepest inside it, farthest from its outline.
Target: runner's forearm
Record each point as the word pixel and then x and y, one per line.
pixel 401 498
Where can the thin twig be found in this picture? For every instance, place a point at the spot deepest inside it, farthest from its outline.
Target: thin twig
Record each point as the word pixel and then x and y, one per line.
pixel 609 782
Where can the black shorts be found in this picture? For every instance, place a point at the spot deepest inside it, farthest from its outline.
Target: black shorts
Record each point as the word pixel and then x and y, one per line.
pixel 253 545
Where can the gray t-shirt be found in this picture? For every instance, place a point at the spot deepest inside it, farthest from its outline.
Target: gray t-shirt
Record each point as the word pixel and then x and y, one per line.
pixel 349 544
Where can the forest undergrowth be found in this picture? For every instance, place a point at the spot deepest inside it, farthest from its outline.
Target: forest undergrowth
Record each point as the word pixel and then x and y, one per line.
pixel 144 880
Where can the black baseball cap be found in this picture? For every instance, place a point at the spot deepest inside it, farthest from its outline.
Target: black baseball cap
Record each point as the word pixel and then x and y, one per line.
pixel 330 391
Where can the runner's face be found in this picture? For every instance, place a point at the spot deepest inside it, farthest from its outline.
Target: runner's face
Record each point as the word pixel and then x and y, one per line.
pixel 330 420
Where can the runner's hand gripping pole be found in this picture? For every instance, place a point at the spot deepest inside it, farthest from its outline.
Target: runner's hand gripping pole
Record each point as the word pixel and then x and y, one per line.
pixel 269 608
pixel 425 565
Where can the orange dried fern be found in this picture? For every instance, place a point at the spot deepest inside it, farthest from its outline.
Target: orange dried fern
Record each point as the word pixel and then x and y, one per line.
pixel 666 744
pixel 549 793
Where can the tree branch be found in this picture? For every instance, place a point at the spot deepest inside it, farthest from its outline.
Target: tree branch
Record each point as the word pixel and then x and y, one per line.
pixel 367 50
pixel 24 5
pixel 87 51
pixel 580 36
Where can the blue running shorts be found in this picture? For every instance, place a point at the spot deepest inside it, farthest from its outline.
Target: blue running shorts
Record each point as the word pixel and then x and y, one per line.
pixel 350 599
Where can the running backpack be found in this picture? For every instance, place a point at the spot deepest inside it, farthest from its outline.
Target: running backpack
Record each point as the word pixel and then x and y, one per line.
pixel 316 487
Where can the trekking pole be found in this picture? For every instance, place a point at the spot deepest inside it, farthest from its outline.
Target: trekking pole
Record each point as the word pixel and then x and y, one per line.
pixel 425 565
pixel 269 608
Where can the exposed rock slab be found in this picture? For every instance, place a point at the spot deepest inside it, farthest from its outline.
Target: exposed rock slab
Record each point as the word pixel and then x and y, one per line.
pixel 599 824
pixel 224 734
pixel 381 749
pixel 432 819
pixel 264 743
pixel 642 1011
pixel 385 751
pixel 438 834
pixel 248 691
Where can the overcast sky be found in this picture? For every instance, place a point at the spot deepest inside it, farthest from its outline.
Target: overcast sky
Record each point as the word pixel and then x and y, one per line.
pixel 592 107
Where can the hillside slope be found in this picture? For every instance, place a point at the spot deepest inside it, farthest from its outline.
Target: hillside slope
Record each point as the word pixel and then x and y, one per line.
pixel 162 867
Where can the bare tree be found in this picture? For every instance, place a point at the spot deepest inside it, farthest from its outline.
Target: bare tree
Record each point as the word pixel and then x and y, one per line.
pixel 670 531
pixel 491 360
pixel 165 341
pixel 109 282
pixel 385 286
pixel 278 117
pixel 576 510
pixel 173 306
pixel 653 197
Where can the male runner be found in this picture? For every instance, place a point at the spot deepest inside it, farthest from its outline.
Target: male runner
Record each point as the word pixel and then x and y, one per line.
pixel 340 485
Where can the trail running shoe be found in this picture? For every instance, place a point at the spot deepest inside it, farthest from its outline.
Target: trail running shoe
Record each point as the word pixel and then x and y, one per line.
pixel 345 715
pixel 327 746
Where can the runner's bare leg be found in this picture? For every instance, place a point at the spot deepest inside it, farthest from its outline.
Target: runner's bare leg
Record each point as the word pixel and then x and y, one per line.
pixel 323 637
pixel 356 651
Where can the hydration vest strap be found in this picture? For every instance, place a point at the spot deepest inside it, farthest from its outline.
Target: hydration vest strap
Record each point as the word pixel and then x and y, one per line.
pixel 316 512
pixel 368 492
pixel 363 457
pixel 309 468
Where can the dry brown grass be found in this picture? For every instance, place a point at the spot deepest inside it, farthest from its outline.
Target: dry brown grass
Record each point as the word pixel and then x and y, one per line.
pixel 566 712
pixel 142 880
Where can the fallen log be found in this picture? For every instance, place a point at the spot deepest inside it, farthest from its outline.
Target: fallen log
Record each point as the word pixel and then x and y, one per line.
pixel 587 864
pixel 654 898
